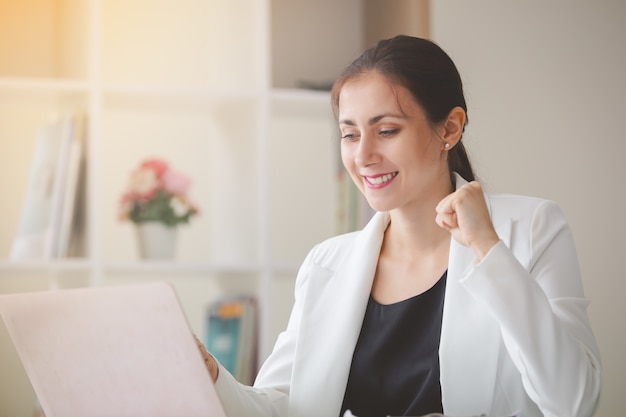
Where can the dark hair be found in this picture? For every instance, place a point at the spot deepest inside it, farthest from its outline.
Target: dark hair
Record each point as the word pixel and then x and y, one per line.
pixel 429 74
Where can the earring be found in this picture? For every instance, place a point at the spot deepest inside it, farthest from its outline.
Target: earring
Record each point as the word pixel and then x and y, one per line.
pixel 446 145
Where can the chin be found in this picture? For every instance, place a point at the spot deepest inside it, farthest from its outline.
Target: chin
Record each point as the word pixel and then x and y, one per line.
pixel 379 205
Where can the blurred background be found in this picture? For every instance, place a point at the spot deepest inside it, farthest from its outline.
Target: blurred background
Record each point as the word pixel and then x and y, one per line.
pixel 234 94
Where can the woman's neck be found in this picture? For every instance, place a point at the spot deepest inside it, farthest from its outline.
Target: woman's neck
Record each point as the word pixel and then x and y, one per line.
pixel 418 233
pixel 413 256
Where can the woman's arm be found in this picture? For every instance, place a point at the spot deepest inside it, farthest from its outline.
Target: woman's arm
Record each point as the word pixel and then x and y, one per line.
pixel 238 399
pixel 542 312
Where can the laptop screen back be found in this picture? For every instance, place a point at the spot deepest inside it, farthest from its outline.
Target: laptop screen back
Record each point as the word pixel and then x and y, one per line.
pixel 110 351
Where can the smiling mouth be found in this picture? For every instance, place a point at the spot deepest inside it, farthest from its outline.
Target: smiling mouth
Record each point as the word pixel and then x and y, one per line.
pixel 381 179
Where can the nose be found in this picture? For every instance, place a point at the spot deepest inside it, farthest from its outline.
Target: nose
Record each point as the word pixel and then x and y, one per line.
pixel 366 153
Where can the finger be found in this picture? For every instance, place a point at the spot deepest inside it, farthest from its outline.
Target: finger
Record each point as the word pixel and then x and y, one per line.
pixel 475 185
pixel 209 361
pixel 447 220
pixel 212 366
pixel 199 343
pixel 445 205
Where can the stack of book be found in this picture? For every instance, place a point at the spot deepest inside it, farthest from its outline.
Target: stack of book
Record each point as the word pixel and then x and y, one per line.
pixel 232 335
pixel 48 224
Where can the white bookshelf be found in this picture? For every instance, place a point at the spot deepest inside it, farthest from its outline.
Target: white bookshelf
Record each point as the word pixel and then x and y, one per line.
pixel 210 86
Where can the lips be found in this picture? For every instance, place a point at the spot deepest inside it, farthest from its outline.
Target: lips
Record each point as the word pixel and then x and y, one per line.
pixel 381 180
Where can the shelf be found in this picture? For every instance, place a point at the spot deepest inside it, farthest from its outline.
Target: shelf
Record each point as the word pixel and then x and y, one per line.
pixel 142 266
pixel 177 267
pixel 51 266
pixel 43 84
pixel 209 145
pixel 210 87
pixel 200 95
pixel 44 276
pixel 22 114
pixel 300 95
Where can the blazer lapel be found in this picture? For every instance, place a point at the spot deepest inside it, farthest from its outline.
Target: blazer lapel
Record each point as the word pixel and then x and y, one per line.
pixel 470 339
pixel 330 330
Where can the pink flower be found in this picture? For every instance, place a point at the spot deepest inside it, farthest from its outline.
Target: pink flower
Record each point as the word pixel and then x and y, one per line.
pixel 156 193
pixel 175 182
pixel 144 183
pixel 159 166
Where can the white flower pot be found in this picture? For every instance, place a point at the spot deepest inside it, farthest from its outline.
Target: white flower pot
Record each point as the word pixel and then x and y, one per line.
pixel 156 240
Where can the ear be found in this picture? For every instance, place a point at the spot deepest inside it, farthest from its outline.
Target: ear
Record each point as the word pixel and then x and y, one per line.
pixel 453 127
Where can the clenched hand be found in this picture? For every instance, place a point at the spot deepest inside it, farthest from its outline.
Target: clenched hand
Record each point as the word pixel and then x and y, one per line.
pixel 465 215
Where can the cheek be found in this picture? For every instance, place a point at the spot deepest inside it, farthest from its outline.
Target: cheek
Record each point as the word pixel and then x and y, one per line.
pixel 430 151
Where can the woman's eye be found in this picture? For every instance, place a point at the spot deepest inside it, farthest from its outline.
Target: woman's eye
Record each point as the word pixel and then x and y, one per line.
pixel 388 132
pixel 348 136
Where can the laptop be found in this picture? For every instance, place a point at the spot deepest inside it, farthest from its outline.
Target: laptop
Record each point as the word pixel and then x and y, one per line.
pixel 122 351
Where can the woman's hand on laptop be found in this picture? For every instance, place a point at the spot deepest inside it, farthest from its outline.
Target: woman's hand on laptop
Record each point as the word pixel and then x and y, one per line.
pixel 209 360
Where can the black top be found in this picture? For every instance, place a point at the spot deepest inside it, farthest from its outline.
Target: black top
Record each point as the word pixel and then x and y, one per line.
pixel 395 365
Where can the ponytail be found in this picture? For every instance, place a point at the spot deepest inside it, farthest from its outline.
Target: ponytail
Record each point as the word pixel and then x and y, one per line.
pixel 459 162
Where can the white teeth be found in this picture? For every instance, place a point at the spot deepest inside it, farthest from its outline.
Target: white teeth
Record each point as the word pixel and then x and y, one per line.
pixel 382 178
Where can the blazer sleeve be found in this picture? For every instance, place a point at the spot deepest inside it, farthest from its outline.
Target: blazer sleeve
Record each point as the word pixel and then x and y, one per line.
pixel 542 313
pixel 270 394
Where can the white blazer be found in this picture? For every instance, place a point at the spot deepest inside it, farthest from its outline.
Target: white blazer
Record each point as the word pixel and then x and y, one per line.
pixel 515 337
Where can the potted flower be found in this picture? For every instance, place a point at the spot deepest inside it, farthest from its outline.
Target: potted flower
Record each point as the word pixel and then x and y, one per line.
pixel 156 201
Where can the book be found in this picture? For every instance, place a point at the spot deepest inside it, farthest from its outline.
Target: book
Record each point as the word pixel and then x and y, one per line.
pixel 49 205
pixel 231 335
pixel 67 224
pixel 34 225
pixel 59 183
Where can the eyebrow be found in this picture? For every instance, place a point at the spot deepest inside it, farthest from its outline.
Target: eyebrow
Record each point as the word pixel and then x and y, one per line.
pixel 372 120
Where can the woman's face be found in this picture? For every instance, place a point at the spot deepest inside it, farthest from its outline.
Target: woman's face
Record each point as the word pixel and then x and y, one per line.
pixel 389 148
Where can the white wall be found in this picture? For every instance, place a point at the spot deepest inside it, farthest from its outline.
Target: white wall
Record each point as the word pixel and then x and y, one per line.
pixel 546 91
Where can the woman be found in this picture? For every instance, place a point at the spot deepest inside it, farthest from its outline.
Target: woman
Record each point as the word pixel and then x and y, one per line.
pixel 449 300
